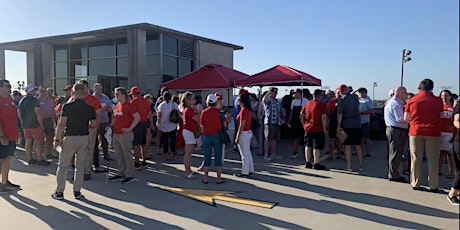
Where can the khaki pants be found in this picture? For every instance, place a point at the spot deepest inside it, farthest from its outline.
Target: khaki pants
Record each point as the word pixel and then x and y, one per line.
pixel 89 155
pixel 72 145
pixel 123 144
pixel 431 146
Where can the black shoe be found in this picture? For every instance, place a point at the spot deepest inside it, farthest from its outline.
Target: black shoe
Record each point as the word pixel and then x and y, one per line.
pixel 367 155
pixel 127 180
pixel 99 170
pixel 4 189
pixel 137 166
pixel 32 162
pixel 433 190
pixel 144 164
pixel 453 200
pixel 294 155
pixel 12 186
pixel 401 180
pixel 57 195
pixel 116 178
pixel 308 165
pixel 43 162
pixel 78 195
pixel 319 167
pixel 418 188
pixel 241 175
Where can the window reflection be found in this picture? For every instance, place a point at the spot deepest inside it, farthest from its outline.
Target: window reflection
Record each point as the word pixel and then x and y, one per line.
pixel 170 65
pixel 60 54
pixel 170 45
pixel 153 64
pixel 104 66
pixel 60 69
pixel 101 49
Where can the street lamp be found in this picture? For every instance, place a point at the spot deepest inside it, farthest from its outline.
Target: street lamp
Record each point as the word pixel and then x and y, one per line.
pixel 405 58
pixel 373 90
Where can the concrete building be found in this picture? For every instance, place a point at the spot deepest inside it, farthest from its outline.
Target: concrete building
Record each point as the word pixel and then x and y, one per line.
pixel 141 54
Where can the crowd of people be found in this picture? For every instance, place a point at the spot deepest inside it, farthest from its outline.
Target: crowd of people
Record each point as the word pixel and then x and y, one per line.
pixel 77 126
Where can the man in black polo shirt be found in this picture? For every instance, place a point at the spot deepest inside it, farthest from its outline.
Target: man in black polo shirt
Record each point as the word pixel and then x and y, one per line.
pixel 74 120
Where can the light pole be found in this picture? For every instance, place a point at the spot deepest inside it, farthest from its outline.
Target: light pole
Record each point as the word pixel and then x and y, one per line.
pixel 405 58
pixel 373 90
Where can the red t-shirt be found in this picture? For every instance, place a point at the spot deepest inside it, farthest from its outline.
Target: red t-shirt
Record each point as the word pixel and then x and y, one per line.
pixel 246 115
pixel 446 119
pixel 190 124
pixel 9 118
pixel 94 102
pixel 331 105
pixel 142 107
pixel 210 120
pixel 313 112
pixel 123 116
pixel 425 110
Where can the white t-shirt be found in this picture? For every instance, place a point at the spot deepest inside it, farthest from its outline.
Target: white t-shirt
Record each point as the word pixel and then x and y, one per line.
pixel 165 110
pixel 299 102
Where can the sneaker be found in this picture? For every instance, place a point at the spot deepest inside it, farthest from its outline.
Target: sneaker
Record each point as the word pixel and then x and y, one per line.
pixel 319 167
pixel 78 195
pixel 294 155
pixel 127 180
pixel 57 195
pixel 4 189
pixel 267 158
pixel 348 169
pixel 308 165
pixel 137 166
pixel 116 178
pixel 43 162
pixel 32 162
pixel 144 164
pixel 453 200
pixel 10 185
pixel 361 169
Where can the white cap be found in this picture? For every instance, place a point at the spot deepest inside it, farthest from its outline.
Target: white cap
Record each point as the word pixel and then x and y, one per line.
pixel 30 88
pixel 391 92
pixel 211 98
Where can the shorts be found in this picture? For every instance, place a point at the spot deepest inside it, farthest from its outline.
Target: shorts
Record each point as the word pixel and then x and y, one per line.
pixel 365 129
pixel 445 138
pixel 140 133
pixel 272 132
pixel 48 126
pixel 189 137
pixel 35 134
pixel 354 136
pixel 7 150
pixel 315 140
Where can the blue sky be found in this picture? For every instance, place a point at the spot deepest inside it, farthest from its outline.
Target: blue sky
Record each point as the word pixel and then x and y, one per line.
pixel 356 42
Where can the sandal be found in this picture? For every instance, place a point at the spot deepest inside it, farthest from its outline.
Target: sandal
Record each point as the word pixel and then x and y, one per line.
pixel 191 176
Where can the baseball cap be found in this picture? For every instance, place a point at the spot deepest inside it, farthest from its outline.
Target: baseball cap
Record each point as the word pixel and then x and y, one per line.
pixel 30 88
pixel 218 95
pixel 242 91
pixel 135 90
pixel 342 88
pixel 362 89
pixel 211 98
pixel 273 89
pixel 67 87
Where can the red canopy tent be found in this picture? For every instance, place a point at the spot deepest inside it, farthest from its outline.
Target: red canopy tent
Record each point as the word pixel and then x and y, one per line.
pixel 279 75
pixel 210 76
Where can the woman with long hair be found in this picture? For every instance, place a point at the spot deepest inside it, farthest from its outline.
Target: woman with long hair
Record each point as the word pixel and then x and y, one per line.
pixel 191 121
pixel 454 190
pixel 244 135
pixel 446 133
pixel 168 128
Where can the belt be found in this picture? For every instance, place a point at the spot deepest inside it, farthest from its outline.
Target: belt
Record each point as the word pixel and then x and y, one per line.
pixel 398 128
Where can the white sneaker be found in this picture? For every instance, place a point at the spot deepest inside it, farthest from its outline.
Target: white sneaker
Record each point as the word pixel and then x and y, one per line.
pixel 267 158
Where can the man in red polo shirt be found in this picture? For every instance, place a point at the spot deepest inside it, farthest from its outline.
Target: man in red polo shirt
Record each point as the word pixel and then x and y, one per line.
pixel 8 134
pixel 314 119
pixel 423 112
pixel 94 102
pixel 140 131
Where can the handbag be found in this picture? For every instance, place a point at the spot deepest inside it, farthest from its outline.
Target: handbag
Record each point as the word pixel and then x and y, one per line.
pixel 174 116
pixel 224 137
pixel 197 133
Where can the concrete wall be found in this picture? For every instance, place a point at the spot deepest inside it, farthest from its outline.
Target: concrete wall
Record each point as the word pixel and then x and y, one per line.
pixel 212 53
pixel 47 65
pixel 137 58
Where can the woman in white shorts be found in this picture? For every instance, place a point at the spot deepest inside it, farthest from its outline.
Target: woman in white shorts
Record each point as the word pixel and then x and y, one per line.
pixel 446 133
pixel 191 121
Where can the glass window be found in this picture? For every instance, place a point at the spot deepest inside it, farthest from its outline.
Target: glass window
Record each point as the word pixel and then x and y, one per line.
pixel 170 45
pixel 78 68
pixel 101 49
pixel 122 47
pixel 122 66
pixel 60 54
pixel 185 66
pixel 153 64
pixel 170 65
pixel 153 81
pixel 60 84
pixel 153 46
pixel 102 66
pixel 78 51
pixel 60 70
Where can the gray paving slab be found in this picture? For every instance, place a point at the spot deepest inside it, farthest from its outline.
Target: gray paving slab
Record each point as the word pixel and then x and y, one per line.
pixel 306 198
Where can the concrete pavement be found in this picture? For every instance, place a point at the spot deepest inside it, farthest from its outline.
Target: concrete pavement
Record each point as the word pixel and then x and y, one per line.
pixel 305 198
